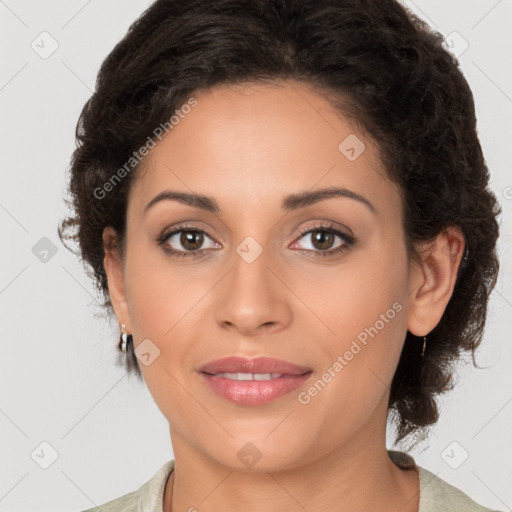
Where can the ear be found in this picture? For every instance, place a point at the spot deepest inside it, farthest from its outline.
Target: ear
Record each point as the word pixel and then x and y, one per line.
pixel 113 265
pixel 432 280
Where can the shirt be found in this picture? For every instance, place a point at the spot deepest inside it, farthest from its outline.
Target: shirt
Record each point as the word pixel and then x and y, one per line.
pixel 436 495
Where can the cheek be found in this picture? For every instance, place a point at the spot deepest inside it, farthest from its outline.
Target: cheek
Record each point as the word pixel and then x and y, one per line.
pixel 357 363
pixel 353 296
pixel 365 315
pixel 161 306
pixel 160 293
pixel 167 305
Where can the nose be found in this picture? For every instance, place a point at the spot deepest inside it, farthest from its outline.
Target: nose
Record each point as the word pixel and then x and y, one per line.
pixel 253 298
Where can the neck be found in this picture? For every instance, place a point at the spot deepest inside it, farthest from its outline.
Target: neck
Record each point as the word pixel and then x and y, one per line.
pixel 353 477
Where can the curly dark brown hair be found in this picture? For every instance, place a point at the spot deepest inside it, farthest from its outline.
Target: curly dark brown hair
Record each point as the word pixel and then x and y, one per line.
pixel 375 62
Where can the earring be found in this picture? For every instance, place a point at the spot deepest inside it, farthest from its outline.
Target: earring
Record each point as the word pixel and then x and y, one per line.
pixel 424 346
pixel 123 341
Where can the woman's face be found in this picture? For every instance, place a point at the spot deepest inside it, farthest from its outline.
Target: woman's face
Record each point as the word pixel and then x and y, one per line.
pixel 322 283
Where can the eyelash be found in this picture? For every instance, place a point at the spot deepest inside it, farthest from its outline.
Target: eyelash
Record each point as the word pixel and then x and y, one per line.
pixel 348 240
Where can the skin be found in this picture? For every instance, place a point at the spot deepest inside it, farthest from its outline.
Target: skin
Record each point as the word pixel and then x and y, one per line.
pixel 248 147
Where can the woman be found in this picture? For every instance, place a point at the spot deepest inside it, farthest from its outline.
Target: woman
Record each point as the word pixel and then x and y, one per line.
pixel 286 206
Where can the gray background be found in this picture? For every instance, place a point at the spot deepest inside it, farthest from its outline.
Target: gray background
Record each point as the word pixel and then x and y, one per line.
pixel 59 381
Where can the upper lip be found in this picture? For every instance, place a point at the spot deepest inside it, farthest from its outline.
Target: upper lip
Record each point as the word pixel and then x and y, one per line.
pixel 262 364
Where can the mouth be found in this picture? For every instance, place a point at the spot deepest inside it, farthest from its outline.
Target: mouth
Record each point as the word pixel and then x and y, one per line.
pixel 248 376
pixel 253 381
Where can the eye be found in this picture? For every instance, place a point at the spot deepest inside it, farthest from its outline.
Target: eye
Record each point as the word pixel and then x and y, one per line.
pixel 186 241
pixel 325 240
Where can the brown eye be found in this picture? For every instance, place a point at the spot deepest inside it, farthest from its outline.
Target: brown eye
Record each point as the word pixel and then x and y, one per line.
pixel 183 242
pixel 191 240
pixel 322 240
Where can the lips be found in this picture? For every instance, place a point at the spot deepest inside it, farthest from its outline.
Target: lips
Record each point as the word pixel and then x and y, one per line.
pixel 257 365
pixel 253 381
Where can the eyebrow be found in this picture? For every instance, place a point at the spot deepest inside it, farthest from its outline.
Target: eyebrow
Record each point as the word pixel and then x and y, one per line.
pixel 289 203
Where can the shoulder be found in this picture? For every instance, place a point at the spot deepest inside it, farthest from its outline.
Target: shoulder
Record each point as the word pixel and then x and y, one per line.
pixel 437 495
pixel 147 498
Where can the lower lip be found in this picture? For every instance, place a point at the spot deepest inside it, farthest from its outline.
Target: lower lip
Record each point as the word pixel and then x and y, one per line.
pixel 254 392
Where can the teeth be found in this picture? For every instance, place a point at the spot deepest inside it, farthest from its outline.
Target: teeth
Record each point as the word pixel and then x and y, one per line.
pixel 250 376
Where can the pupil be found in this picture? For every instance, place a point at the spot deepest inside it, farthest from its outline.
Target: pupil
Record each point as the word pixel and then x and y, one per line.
pixel 188 237
pixel 324 239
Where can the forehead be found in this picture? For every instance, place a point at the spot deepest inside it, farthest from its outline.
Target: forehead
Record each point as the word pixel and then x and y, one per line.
pixel 250 143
